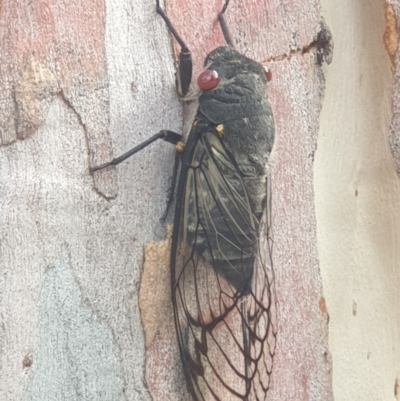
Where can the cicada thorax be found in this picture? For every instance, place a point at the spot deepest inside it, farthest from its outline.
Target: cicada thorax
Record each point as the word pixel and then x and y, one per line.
pixel 222 271
pixel 239 106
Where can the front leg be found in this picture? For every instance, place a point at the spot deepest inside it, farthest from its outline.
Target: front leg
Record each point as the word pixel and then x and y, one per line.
pixel 185 65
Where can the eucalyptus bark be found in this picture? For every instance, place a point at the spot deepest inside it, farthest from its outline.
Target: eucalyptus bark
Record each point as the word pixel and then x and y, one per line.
pixel 83 81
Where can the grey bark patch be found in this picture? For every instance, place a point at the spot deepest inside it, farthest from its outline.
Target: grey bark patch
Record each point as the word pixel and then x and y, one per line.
pixel 76 358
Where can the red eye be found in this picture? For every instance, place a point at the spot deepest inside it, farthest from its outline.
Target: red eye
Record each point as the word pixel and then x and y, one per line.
pixel 208 79
pixel 268 73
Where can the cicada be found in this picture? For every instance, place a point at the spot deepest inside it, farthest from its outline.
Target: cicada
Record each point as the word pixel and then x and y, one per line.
pixel 222 279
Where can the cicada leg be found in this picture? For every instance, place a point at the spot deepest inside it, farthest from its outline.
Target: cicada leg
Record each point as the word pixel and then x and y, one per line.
pixel 185 65
pixel 169 136
pixel 224 26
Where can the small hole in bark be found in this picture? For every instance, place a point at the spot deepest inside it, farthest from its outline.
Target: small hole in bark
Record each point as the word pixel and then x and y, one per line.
pixel 27 362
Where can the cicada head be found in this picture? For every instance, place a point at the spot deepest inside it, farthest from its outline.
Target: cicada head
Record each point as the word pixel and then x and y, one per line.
pixel 234 70
pixel 232 86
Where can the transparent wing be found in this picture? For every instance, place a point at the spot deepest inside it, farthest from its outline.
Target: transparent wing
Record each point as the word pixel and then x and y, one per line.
pixel 223 292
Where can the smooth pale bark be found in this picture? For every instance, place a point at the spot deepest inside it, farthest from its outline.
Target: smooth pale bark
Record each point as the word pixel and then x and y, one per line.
pixel 358 199
pixel 81 81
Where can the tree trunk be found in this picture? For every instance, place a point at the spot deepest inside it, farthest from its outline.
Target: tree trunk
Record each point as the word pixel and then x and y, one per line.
pixel 81 82
pixel 358 199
